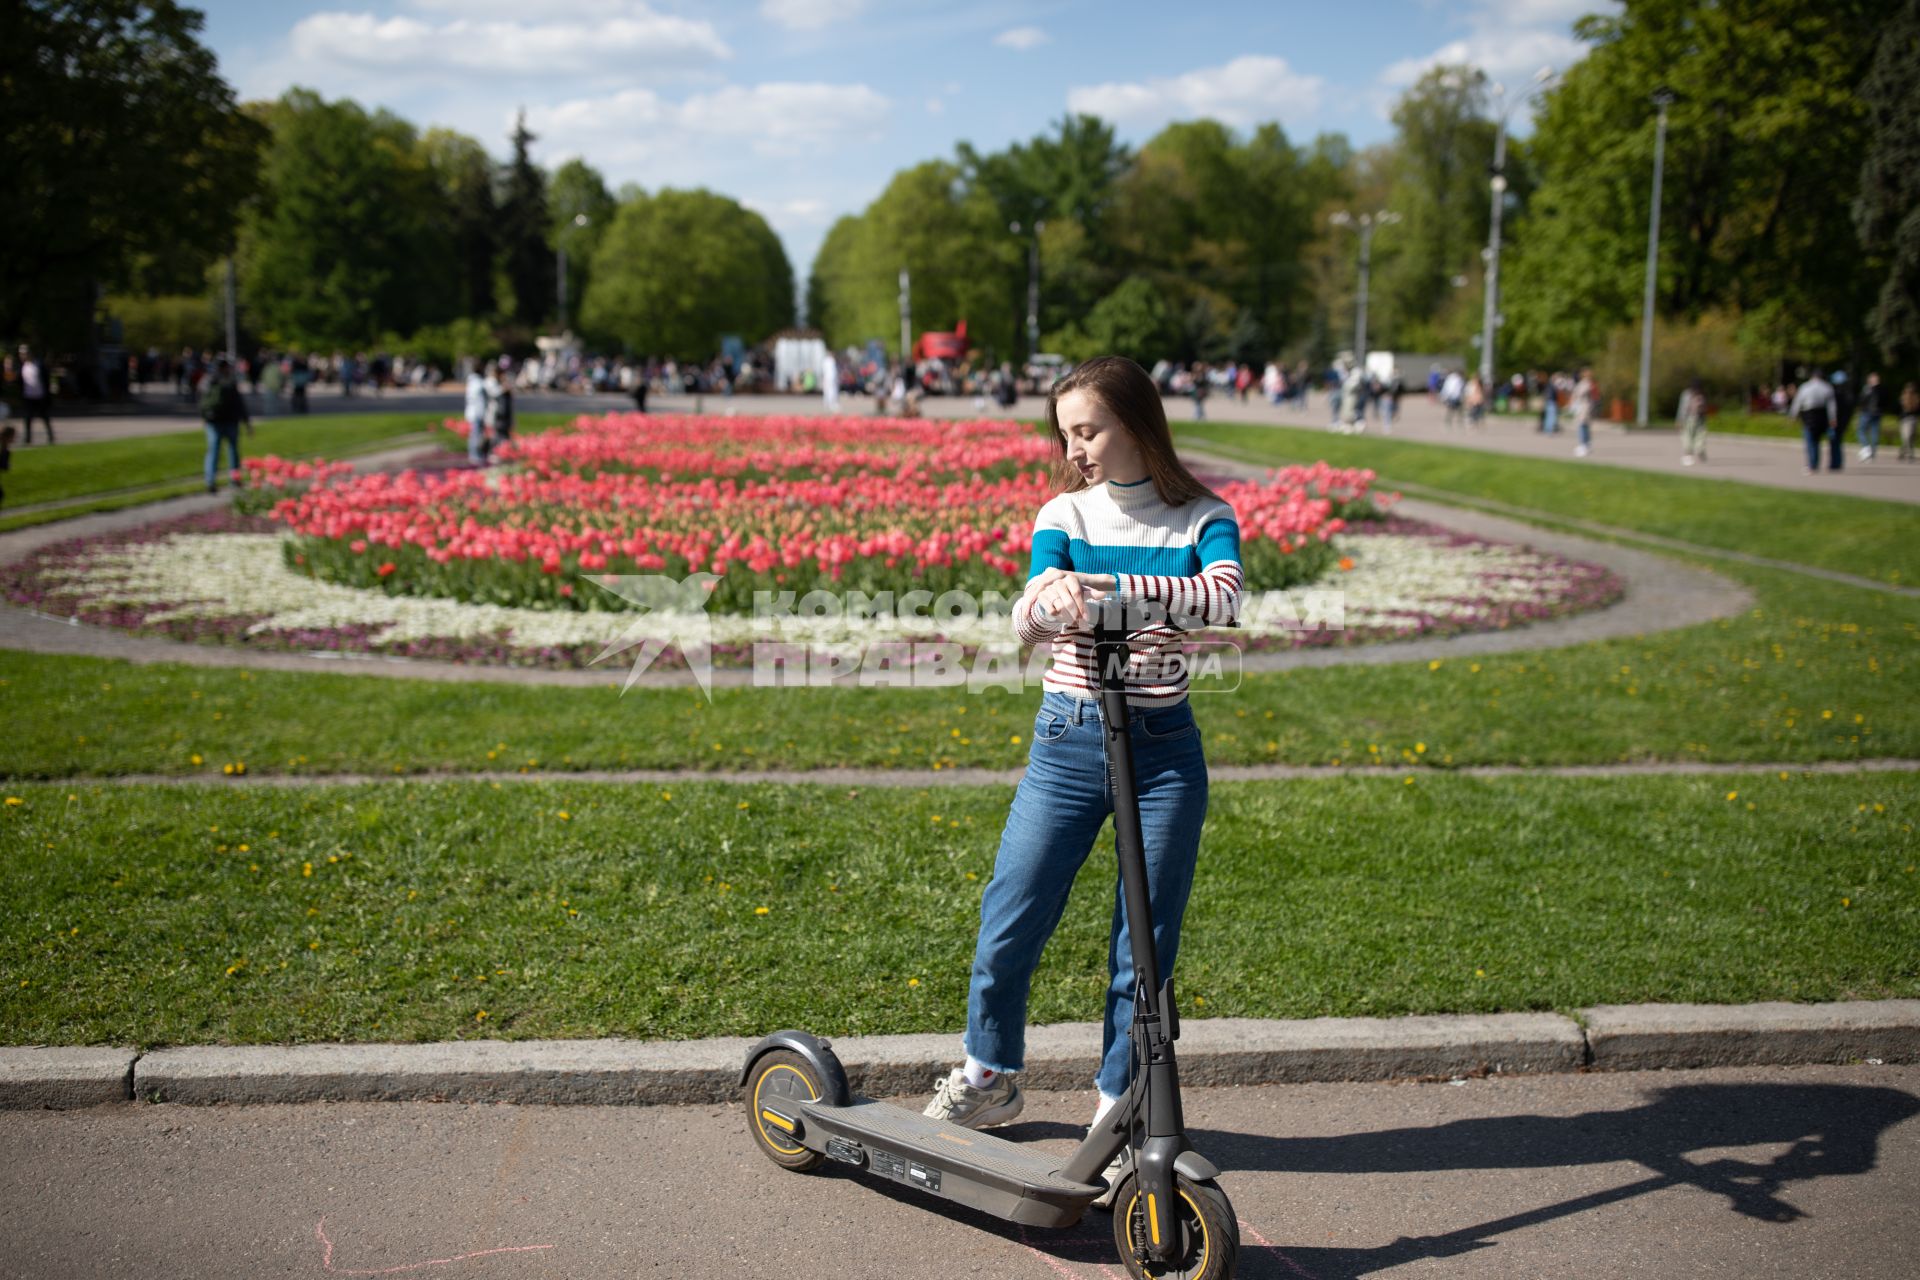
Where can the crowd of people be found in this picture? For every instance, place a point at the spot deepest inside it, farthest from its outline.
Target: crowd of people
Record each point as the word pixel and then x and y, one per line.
pixel 1826 407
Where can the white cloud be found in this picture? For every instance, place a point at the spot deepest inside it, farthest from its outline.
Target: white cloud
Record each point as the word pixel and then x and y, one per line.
pixel 799 212
pixel 809 15
pixel 1246 91
pixel 638 125
pixel 1508 39
pixel 634 38
pixel 1021 38
pixel 1510 59
pixel 935 106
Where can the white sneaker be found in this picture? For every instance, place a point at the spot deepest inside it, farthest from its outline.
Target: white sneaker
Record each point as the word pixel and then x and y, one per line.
pixel 1581 451
pixel 1686 460
pixel 957 1102
pixel 1115 1170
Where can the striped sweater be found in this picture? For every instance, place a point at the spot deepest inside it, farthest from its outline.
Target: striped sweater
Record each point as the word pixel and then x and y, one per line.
pixel 1183 562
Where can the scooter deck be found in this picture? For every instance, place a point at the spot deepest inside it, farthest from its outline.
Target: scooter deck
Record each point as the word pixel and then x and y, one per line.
pixel 974 1168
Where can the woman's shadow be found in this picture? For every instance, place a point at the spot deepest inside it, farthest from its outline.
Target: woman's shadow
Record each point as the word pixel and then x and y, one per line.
pixel 1829 1131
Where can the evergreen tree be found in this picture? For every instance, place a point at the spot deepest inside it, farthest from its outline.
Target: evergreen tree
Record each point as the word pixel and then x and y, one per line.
pixel 524 229
pixel 1887 211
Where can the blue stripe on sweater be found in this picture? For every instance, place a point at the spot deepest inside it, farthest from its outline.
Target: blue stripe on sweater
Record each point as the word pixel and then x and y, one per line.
pixel 1219 540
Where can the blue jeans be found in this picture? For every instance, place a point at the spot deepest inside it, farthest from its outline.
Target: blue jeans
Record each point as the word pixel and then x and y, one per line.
pixel 1059 809
pixel 1870 433
pixel 227 433
pixel 476 442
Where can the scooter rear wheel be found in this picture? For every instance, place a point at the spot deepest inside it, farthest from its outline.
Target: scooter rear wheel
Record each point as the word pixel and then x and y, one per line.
pixel 1207 1232
pixel 781 1076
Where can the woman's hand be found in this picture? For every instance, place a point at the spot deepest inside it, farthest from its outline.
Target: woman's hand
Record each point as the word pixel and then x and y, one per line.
pixel 1065 595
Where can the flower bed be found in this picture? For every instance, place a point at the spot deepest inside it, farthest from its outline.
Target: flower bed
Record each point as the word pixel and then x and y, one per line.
pixel 496 565
pixel 769 504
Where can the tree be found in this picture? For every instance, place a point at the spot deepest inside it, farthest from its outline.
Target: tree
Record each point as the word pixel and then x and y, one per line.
pixel 950 239
pixel 525 228
pixel 1442 154
pixel 1887 211
pixel 89 87
pixel 579 192
pixel 348 240
pixel 1763 153
pixel 1218 223
pixel 1133 321
pixel 679 270
pixel 464 173
pixel 1066 180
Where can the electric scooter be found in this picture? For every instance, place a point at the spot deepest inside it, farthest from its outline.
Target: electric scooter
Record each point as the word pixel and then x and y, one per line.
pixel 1170 1217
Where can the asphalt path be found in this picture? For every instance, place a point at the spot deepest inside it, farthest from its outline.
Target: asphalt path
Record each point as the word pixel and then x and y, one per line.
pixel 1753 459
pixel 1759 1172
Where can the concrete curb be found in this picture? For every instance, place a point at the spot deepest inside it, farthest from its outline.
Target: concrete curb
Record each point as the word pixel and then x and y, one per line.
pixel 1631 1037
pixel 1215 1051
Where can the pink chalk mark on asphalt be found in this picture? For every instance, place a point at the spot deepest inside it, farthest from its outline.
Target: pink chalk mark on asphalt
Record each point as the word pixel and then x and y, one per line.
pixel 326 1257
pixel 1247 1230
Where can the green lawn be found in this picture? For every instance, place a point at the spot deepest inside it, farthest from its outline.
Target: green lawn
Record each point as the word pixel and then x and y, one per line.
pixel 1861 536
pixel 172 461
pixel 1736 422
pixel 402 911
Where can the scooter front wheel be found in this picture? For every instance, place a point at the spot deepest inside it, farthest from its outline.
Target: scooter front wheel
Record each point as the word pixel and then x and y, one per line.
pixel 1206 1233
pixel 781 1077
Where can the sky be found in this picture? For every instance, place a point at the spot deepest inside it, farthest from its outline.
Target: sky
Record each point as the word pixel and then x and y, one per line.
pixel 804 109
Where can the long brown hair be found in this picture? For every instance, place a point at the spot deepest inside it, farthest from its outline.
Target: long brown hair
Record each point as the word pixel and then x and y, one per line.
pixel 1129 394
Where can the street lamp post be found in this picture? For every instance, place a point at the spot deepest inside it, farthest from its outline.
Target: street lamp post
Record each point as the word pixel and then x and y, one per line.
pixel 1033 286
pixel 233 326
pixel 560 265
pixel 1490 314
pixel 1663 98
pixel 906 320
pixel 1366 222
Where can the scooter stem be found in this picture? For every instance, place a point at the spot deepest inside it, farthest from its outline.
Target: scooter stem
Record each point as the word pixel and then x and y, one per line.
pixel 1152 1016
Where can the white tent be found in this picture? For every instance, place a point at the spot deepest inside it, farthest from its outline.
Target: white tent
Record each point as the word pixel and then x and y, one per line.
pixel 794 358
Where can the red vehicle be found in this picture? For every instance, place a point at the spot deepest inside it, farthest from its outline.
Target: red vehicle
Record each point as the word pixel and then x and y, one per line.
pixel 950 347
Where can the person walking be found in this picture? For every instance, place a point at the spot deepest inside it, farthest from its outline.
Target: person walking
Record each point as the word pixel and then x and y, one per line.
pixel 476 414
pixel 1843 401
pixel 1870 409
pixel 1353 397
pixel 1453 391
pixel 1691 415
pixel 36 395
pixel 1125 500
pixel 1909 417
pixel 223 410
pixel 273 377
pixel 1199 391
pixel 1813 404
pixel 1585 393
pixel 499 389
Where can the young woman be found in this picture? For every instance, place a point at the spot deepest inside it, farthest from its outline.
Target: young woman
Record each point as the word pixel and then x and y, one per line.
pixel 1130 523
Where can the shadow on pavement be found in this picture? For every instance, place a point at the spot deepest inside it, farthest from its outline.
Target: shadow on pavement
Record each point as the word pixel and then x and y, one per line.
pixel 1829 1131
